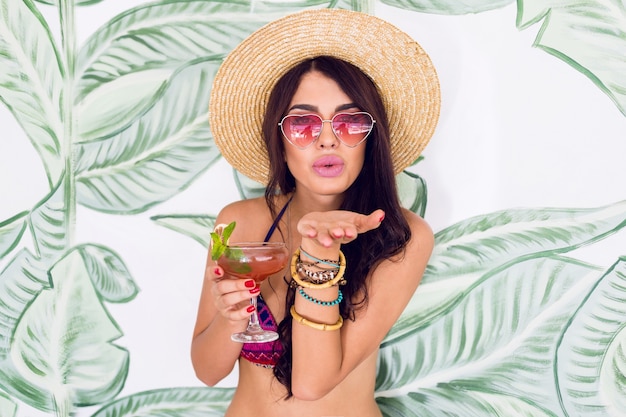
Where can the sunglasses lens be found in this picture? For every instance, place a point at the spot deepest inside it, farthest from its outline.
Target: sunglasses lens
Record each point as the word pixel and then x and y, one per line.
pixel 301 130
pixel 352 128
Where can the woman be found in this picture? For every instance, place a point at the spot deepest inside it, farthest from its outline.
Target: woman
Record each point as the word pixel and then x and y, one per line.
pixel 325 117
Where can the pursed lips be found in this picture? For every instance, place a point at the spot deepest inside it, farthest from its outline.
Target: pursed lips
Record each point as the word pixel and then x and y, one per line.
pixel 328 166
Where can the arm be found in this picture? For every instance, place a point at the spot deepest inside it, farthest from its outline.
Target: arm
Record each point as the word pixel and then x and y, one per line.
pixel 322 359
pixel 222 310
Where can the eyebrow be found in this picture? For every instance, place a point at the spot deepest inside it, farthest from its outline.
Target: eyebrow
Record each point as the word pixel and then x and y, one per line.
pixel 309 107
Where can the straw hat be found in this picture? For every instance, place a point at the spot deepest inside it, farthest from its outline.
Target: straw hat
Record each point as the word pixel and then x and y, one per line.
pixel 399 67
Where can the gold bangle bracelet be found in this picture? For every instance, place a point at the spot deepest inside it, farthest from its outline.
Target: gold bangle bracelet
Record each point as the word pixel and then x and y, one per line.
pixel 327 284
pixel 313 324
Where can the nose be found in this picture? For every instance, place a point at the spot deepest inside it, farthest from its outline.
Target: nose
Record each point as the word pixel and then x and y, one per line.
pixel 327 138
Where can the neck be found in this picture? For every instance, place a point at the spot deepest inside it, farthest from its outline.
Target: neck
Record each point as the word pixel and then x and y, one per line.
pixel 303 203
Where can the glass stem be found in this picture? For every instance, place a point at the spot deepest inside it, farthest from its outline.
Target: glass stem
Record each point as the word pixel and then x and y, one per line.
pixel 253 324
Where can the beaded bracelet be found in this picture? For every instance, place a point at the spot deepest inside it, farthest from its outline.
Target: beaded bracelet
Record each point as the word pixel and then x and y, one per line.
pixel 313 324
pixel 338 279
pixel 320 302
pixel 328 262
pixel 317 277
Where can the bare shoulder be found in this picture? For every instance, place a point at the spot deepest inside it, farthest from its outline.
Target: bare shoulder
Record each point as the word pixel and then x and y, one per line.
pixel 251 217
pixel 422 238
pixel 240 207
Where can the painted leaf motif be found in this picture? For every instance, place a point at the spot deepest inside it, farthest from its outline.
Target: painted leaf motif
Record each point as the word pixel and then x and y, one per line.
pixel 473 247
pixel 196 226
pixel 158 156
pixel 446 401
pixel 11 231
pixel 63 342
pixel 412 192
pixel 20 282
pixel 500 337
pixel 21 389
pixel 108 273
pixel 166 35
pixel 49 224
pixel 481 243
pixel 188 402
pixel 448 7
pixel 248 188
pixel 588 35
pixel 76 2
pixel 8 407
pixel 117 104
pixel 591 376
pixel 31 79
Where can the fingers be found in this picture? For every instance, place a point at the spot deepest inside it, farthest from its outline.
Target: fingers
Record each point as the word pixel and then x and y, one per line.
pixel 338 227
pixel 336 233
pixel 372 221
pixel 232 296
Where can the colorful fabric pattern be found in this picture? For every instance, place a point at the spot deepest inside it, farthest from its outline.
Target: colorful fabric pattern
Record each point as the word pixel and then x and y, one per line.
pixel 263 354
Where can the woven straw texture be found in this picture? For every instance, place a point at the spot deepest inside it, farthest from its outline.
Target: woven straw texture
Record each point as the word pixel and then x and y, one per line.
pixel 401 70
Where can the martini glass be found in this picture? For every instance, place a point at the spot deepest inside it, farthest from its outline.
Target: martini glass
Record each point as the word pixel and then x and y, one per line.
pixel 257 261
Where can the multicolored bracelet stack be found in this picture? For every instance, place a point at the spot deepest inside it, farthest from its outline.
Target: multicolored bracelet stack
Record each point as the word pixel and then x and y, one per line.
pixel 324 277
pixel 329 275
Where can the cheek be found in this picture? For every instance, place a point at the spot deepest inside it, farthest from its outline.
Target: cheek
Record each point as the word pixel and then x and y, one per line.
pixel 294 158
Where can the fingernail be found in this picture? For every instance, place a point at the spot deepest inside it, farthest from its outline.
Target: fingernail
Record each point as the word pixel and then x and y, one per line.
pixel 250 309
pixel 380 220
pixel 255 290
pixel 250 283
pixel 217 271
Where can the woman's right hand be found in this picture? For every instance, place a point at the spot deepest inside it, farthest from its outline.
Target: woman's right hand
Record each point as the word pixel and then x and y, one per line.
pixel 222 311
pixel 231 296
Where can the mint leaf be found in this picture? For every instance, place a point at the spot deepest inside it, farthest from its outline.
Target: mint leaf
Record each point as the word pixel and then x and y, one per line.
pixel 228 230
pixel 220 241
pixel 217 250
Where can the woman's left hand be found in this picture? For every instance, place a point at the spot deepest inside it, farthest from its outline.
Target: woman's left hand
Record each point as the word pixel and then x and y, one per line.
pixel 330 229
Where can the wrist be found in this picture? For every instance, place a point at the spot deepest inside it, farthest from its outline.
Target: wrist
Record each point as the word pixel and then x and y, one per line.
pixel 320 254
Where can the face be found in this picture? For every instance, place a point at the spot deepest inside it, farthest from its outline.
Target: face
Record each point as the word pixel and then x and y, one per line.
pixel 326 167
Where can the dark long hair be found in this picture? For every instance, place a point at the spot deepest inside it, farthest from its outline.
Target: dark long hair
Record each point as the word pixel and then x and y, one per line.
pixel 374 188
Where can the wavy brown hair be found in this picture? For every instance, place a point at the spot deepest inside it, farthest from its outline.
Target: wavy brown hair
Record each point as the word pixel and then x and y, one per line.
pixel 374 188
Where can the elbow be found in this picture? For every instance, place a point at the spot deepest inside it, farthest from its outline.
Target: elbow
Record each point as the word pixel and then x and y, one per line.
pixel 308 391
pixel 209 374
pixel 207 379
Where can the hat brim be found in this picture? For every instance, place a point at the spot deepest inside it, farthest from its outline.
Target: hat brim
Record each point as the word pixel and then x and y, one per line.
pixel 397 64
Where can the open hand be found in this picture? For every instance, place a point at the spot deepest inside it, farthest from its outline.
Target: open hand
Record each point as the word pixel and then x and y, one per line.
pixel 330 229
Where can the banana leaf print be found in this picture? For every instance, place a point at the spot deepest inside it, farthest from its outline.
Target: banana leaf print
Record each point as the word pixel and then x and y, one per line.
pixel 507 321
pixel 188 402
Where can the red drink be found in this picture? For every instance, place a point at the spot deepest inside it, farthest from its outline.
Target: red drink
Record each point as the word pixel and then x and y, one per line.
pixel 257 264
pixel 256 260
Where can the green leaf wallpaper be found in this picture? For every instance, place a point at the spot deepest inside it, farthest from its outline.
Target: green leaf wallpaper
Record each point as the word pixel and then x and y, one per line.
pixel 110 183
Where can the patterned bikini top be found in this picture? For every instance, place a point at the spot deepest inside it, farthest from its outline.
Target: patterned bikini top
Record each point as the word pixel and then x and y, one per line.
pixel 265 354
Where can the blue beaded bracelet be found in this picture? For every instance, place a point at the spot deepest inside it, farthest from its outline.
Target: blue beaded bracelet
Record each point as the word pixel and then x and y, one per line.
pixel 320 302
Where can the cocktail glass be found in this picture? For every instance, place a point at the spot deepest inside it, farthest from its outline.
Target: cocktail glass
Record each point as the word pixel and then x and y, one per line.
pixel 257 261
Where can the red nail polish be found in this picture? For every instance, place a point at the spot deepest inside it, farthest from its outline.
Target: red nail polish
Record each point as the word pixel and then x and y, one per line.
pixel 217 272
pixel 250 283
pixel 255 290
pixel 250 309
pixel 380 220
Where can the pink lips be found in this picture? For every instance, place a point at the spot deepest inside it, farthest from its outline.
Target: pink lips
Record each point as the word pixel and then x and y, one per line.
pixel 328 166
